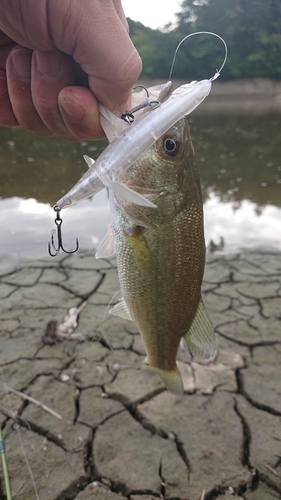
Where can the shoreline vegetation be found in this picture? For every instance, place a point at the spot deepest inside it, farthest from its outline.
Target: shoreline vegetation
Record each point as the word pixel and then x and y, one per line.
pixel 250 29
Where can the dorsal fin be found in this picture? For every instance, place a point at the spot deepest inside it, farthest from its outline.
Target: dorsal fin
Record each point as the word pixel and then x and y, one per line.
pixel 90 161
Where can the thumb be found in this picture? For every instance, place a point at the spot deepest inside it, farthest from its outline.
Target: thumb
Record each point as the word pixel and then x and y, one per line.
pixel 96 36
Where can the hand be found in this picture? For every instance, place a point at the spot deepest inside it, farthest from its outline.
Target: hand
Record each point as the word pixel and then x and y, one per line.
pixel 58 58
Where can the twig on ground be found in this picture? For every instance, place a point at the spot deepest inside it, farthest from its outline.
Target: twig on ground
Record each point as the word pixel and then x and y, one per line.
pixel 34 401
pixel 271 470
pixel 8 413
pixel 203 495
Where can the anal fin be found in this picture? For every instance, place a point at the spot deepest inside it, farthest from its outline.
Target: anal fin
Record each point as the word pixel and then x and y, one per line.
pixel 200 337
pixel 121 309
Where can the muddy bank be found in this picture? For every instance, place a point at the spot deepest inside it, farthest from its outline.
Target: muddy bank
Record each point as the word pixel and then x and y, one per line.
pixel 116 432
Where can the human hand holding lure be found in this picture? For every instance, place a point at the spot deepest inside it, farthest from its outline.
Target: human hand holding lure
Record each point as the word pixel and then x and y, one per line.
pixel 58 59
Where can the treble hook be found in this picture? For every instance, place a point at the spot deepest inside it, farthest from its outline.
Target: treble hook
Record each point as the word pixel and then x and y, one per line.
pixel 58 222
pixel 128 116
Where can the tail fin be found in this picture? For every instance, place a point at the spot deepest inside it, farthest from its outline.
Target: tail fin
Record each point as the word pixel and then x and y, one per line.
pixel 172 379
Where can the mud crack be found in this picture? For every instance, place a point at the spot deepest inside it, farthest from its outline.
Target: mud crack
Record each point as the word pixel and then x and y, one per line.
pixel 245 450
pixel 241 390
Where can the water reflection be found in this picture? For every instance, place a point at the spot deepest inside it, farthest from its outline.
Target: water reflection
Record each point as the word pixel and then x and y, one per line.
pixel 240 167
pixel 239 158
pixel 43 168
pixel 26 225
pixel 240 226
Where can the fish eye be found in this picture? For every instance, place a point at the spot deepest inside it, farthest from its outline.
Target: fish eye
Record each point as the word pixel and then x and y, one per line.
pixel 171 145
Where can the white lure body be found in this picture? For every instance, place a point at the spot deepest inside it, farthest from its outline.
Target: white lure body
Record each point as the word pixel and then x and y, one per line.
pixel 132 142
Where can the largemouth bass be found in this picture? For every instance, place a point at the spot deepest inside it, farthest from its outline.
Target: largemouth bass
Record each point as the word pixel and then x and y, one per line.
pixel 161 254
pixel 157 221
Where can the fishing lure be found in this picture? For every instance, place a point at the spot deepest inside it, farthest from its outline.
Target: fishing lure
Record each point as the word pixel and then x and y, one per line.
pixel 137 136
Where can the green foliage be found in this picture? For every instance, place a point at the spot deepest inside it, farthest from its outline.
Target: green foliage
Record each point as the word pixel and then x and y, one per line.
pixel 155 47
pixel 251 29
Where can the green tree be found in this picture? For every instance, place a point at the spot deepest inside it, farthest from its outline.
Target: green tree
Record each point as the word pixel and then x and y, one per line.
pixel 155 47
pixel 251 29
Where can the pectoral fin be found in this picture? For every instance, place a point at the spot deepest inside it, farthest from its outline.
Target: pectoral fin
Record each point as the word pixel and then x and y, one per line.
pixel 172 379
pixel 141 251
pixel 128 194
pixel 200 337
pixel 121 309
pixel 137 216
pixel 120 189
pixel 106 247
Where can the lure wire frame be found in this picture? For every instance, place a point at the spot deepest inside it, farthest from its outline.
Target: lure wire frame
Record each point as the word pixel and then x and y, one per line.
pixel 128 116
pixel 218 71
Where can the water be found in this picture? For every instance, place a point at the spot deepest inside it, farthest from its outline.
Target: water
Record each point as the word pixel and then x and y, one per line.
pixel 239 159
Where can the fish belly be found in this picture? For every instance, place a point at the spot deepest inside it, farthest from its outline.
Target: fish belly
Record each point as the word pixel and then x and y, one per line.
pixel 160 273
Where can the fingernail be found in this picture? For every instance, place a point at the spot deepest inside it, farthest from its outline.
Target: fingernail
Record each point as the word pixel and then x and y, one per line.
pixel 123 107
pixel 21 59
pixel 72 109
pixel 48 64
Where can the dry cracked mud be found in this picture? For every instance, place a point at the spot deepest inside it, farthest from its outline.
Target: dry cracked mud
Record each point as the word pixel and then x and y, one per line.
pixel 117 433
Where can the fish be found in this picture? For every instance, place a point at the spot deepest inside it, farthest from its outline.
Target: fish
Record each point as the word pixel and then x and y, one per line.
pixel 157 221
pixel 160 254
pixel 132 140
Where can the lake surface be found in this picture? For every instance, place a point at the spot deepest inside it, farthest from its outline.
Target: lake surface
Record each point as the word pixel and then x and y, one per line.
pixel 238 156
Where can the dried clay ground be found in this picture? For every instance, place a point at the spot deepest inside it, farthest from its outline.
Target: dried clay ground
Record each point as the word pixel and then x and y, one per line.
pixel 116 432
